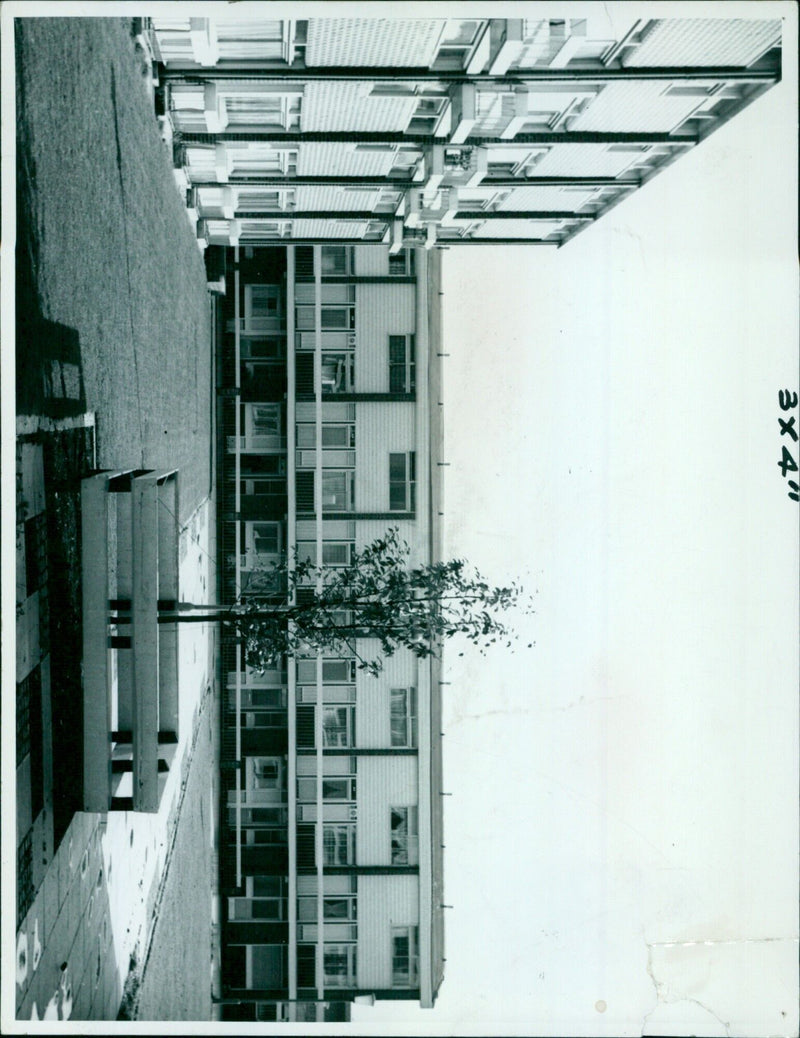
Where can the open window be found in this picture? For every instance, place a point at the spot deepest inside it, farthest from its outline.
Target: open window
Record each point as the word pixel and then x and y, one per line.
pixel 404 835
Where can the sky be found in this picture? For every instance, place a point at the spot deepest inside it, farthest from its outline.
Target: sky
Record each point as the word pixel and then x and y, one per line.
pixel 621 839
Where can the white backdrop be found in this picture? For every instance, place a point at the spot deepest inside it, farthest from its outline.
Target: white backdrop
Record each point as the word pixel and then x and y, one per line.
pixel 621 843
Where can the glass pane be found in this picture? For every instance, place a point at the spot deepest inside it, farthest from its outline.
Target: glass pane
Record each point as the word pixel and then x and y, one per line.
pixel 267 886
pixel 337 908
pixel 334 489
pixel 336 670
pixel 335 317
pixel 397 467
pixel 334 259
pixel 267 966
pixel 336 789
pixel 307 909
pixel 266 773
pixel 306 436
pixel 335 554
pixel 336 436
pixel 265 537
pixel 397 497
pixel 397 349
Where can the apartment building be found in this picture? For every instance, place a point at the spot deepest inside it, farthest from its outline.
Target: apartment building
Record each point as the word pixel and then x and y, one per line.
pixel 429 131
pixel 331 824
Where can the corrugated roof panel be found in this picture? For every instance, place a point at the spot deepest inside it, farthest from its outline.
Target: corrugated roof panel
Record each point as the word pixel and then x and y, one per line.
pixel 705 41
pixel 545 198
pixel 586 160
pixel 333 198
pixel 323 158
pixel 329 228
pixel 646 107
pixel 518 228
pixel 372 41
pixel 350 106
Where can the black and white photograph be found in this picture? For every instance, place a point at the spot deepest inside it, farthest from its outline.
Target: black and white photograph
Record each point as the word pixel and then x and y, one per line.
pixel 401 408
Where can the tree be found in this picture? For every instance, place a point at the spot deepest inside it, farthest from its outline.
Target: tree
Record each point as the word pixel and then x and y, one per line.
pixel 296 607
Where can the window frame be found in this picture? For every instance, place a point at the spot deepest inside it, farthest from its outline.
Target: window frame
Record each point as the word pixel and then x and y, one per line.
pixel 409 716
pixel 404 845
pixel 343 840
pixel 341 499
pixel 402 369
pixel 348 729
pixel 346 978
pixel 408 483
pixel 408 977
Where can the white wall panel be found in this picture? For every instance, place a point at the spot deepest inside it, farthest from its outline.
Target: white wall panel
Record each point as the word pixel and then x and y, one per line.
pixel 381 428
pixel 381 310
pixel 383 783
pixel 383 902
pixel 368 530
pixel 373 694
pixel 372 259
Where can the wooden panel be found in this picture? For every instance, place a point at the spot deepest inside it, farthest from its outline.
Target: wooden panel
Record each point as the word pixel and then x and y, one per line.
pixel 381 311
pixel 383 902
pixel 383 783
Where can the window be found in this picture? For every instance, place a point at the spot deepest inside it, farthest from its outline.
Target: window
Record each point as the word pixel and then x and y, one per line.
pixel 402 482
pixel 337 491
pixel 334 434
pixel 335 789
pixel 265 719
pixel 265 966
pixel 334 672
pixel 405 956
pixel 402 363
pixel 403 719
pixel 331 693
pixel 404 835
pixel 264 773
pixel 263 310
pixel 334 553
pixel 336 260
pixel 266 419
pixel 262 549
pixel 269 699
pixel 267 538
pixel 338 725
pixel 334 317
pixel 265 899
pixel 337 372
pixel 262 110
pixel 339 964
pixel 338 843
pixel 402 262
pixel 340 901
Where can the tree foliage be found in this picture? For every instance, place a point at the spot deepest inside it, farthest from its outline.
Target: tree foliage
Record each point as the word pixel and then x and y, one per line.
pixel 297 607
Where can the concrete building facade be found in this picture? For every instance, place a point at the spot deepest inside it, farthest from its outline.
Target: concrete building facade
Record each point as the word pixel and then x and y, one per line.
pixel 330 846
